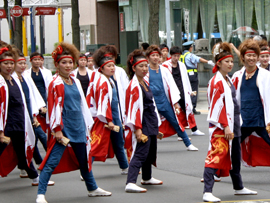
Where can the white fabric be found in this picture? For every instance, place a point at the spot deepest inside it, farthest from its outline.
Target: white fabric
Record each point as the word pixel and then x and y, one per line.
pixel 4 109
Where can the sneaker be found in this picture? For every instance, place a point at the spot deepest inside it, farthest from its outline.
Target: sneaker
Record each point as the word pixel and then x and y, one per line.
pixel 192 148
pixel 217 179
pixel 124 171
pixel 81 178
pixel 197 132
pixel 99 193
pixel 41 199
pixel 209 197
pixel 36 181
pixel 196 112
pixel 152 181
pixel 180 139
pixel 132 187
pixel 245 191
pixel 23 174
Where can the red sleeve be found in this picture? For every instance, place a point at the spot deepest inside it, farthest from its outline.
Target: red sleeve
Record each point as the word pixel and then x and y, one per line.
pixel 58 128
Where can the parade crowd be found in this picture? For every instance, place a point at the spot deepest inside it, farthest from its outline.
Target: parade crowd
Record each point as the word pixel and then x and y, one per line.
pixel 92 110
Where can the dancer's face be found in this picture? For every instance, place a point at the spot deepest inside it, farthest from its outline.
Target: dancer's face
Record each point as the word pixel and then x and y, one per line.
pixel 65 66
pixel 226 65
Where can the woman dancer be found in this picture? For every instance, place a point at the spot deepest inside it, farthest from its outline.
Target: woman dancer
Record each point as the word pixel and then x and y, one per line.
pixel 224 125
pixel 139 98
pixel 69 118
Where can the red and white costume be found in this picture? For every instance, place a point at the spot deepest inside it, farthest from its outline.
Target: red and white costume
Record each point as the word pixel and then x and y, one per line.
pixel 173 96
pixel 187 119
pixel 255 151
pixel 8 159
pixel 220 115
pixel 56 99
pixel 134 114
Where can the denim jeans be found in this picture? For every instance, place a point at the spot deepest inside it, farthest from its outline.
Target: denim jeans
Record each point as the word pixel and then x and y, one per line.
pixel 54 159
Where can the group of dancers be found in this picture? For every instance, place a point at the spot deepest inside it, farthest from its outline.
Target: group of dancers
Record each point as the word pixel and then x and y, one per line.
pixel 99 110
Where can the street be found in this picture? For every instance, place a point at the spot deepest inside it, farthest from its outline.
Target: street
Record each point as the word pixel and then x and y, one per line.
pixel 179 169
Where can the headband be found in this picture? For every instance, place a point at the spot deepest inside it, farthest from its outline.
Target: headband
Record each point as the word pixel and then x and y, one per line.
pixel 90 57
pixel 83 57
pixel 264 52
pixel 108 55
pixel 165 48
pixel 35 57
pixel 23 59
pixel 154 52
pixel 3 50
pixel 65 56
pixel 250 52
pixel 99 70
pixel 7 60
pixel 215 69
pixel 140 61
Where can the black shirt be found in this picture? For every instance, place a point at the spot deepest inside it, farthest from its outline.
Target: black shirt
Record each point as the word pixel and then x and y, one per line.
pixel 15 117
pixel 178 80
pixel 84 79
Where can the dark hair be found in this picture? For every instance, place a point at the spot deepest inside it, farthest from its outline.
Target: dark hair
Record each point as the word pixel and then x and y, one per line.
pixel 152 48
pixel 110 49
pixel 175 50
pixel 89 55
pixel 82 55
pixel 162 46
pixel 132 58
pixel 99 57
pixel 264 37
pixel 68 49
pixel 249 44
pixel 35 54
pixel 263 45
pixel 145 45
pixel 187 47
pixel 223 50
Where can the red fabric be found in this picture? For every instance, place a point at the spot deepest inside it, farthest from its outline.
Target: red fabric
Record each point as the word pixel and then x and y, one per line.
pixel 42 121
pixel 219 155
pixel 101 146
pixel 128 143
pixel 8 160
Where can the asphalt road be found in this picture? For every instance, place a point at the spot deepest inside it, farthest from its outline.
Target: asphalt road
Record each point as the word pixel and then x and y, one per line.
pixel 180 170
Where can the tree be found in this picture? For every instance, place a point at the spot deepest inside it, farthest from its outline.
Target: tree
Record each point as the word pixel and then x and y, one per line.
pixel 18 28
pixel 153 25
pixel 75 23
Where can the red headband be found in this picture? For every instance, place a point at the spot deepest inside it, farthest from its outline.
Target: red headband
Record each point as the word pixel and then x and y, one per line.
pixel 90 57
pixel 264 52
pixel 65 56
pixel 215 69
pixel 35 57
pixel 139 62
pixel 250 52
pixel 83 57
pixel 165 48
pixel 106 63
pixel 3 50
pixel 108 55
pixel 7 60
pixel 23 59
pixel 154 52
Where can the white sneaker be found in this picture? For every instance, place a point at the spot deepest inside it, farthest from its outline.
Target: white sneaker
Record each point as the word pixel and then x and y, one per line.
pixel 36 181
pixel 180 139
pixel 23 174
pixel 245 191
pixel 41 199
pixel 152 181
pixel 209 197
pixel 81 178
pixel 98 193
pixel 124 171
pixel 197 132
pixel 132 187
pixel 192 148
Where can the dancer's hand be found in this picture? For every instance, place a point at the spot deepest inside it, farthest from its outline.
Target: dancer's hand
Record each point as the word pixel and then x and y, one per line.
pixel 110 125
pixel 228 133
pixel 177 108
pixel 138 134
pixel 58 136
pixel 2 135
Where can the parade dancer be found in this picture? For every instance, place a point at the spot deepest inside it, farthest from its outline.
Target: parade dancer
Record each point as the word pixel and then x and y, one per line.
pixel 82 73
pixel 164 52
pixel 106 141
pixel 224 127
pixel 69 117
pixel 252 94
pixel 264 55
pixel 90 62
pixel 166 95
pixel 142 119
pixel 180 76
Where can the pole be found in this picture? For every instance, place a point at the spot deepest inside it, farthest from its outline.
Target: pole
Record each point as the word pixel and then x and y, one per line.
pixel 24 36
pixel 41 33
pixel 60 25
pixel 168 23
pixel 10 26
pixel 32 26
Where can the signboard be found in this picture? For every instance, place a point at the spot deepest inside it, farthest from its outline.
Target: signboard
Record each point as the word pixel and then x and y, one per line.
pixel 45 10
pixel 123 2
pixel 16 11
pixel 122 22
pixel 186 21
pixel 4 15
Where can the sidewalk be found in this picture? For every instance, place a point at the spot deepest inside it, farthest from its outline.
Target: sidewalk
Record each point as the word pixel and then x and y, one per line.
pixel 202 104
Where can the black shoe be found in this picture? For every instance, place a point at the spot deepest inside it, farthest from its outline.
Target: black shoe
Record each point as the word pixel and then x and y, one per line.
pixel 196 112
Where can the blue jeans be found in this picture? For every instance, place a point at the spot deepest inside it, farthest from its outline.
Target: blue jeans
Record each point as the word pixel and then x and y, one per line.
pixel 54 159
pixel 170 116
pixel 42 136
